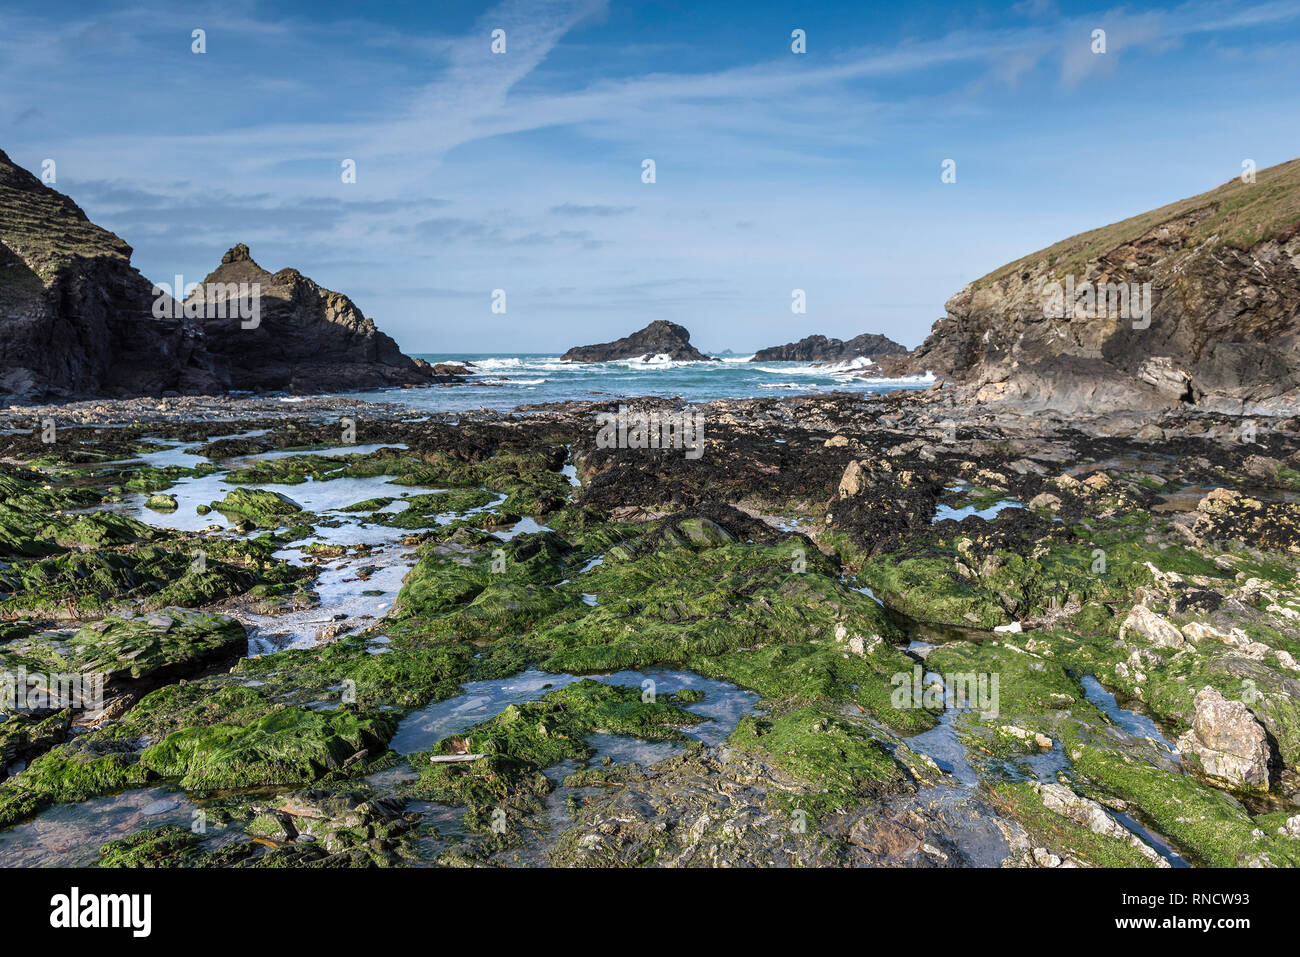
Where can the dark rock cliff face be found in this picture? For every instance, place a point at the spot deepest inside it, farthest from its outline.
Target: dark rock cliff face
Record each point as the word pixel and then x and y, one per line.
pixel 822 349
pixel 1224 319
pixel 659 338
pixel 78 321
pixel 75 316
pixel 303 338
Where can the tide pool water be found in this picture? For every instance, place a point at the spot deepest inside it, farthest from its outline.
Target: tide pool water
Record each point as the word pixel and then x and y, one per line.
pixel 505 381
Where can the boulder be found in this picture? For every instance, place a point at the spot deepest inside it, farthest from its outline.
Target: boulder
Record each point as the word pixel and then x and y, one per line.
pixel 1227 743
pixel 1150 627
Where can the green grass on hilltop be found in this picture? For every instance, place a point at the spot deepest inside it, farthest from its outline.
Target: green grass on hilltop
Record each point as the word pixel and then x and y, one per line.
pixel 44 230
pixel 1244 214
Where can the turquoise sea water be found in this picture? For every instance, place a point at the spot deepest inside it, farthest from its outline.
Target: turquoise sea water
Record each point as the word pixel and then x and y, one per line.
pixel 506 381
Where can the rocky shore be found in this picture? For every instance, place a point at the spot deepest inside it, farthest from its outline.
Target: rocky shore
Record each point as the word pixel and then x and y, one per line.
pixel 905 629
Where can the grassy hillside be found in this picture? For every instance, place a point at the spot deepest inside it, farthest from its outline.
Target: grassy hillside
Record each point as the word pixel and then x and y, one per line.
pixel 1244 214
pixel 46 229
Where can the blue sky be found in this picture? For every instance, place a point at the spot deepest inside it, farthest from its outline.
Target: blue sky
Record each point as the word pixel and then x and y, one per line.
pixel 522 171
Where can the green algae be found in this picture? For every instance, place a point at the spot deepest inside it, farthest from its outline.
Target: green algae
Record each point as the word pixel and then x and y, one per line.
pixel 260 507
pixel 69 773
pixel 282 747
pixel 529 478
pixel 505 785
pixel 969 581
pixel 845 762
pixel 79 584
pixel 1061 835
pixel 1040 695
pixel 684 592
pixel 422 510
pixel 1214 827
pixel 19 494
pixel 178 640
pixel 166 846
pixel 675 603
pixel 793 675
pixel 123 650
pixel 152 479
pixel 35 535
pixel 25 736
pixel 289 746
pixel 370 504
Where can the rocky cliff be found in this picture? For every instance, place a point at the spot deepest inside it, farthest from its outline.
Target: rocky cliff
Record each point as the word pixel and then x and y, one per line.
pixel 303 338
pixel 78 321
pixel 822 349
pixel 1193 304
pixel 659 338
pixel 75 316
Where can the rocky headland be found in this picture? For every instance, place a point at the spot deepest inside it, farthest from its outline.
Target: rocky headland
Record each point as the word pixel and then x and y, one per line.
pixel 78 320
pixel 308 339
pixel 1193 304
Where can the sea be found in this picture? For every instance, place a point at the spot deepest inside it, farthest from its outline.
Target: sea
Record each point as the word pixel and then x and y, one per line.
pixel 504 382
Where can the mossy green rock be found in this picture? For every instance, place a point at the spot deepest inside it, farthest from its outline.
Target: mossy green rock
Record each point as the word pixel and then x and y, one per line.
pixel 175 641
pixel 846 761
pixel 262 507
pixel 166 846
pixel 290 746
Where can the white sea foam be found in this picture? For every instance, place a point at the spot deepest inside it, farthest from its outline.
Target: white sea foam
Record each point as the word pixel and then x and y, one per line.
pixel 510 380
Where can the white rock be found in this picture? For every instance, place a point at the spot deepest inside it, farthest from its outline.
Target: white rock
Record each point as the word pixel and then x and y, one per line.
pixel 1149 626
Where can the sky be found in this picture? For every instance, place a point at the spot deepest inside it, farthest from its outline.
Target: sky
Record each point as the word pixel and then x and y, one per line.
pixel 523 170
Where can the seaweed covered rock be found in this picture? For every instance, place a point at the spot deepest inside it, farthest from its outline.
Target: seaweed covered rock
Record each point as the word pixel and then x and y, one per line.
pixel 76 585
pixel 494 768
pixel 286 747
pixel 24 736
pixel 260 507
pixel 876 504
pixel 343 821
pixel 1228 515
pixel 131 655
pixel 166 846
pixel 171 643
